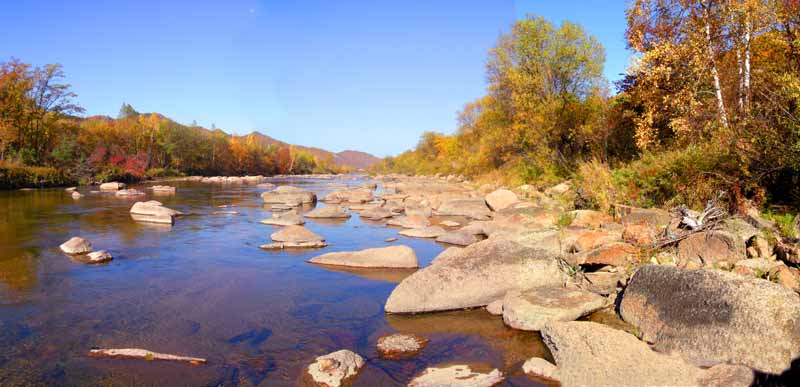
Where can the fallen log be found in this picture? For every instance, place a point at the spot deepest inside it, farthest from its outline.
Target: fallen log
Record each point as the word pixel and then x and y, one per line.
pixel 138 353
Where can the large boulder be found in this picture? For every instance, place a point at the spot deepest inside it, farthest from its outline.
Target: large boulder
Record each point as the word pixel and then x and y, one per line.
pixel 711 316
pixel 152 208
pixel 613 254
pixel 471 208
pixel 501 199
pixel 475 276
pixel 290 218
pixel 76 245
pixel 711 249
pixel 329 212
pixel 112 186
pixel 334 369
pixel 589 218
pixel 533 309
pixel 456 376
pixel 385 257
pixel 294 236
pixel 289 195
pixel 592 354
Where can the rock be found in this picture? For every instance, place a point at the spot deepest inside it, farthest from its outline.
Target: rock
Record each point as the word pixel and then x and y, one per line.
pixel 423 211
pixel 163 189
pixel 266 185
pixel 537 366
pixel 653 217
pixel 425 232
pixel 726 375
pixel 500 199
pixel 449 223
pixel 559 189
pixel 495 307
pixel 76 195
pixel 400 345
pixel 533 309
pixel 70 189
pixel 588 240
pixel 711 249
pixel 711 316
pixel 113 186
pixel 390 239
pixel 614 254
pixel 99 256
pixel 740 228
pixel 759 265
pixel 356 195
pixel 762 247
pixel 639 234
pixel 76 245
pixel 128 192
pixel 376 213
pixel 601 282
pixel 294 236
pixel 592 354
pixel 329 212
pixel 787 277
pixel 788 252
pixel 385 257
pixel 589 218
pixel 459 238
pixel 160 219
pixel 153 208
pixel 474 276
pixel 471 208
pixel 456 376
pixel 289 195
pixel 333 369
pixel 284 219
pixel 409 221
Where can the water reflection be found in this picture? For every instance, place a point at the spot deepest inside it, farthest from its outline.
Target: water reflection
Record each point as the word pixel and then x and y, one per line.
pixel 203 288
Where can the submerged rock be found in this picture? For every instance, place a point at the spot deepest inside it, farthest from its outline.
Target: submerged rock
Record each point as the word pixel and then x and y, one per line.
pixel 474 276
pixel 533 309
pixel 128 192
pixel 385 257
pixel 711 316
pixel 76 195
pixel 76 245
pixel 333 369
pixel 99 256
pixel 400 345
pixel 163 189
pixel 138 353
pixel 294 236
pixel 456 376
pixel 592 354
pixel 330 212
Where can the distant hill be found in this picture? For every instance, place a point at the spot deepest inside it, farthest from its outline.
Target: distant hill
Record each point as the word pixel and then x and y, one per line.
pixel 347 158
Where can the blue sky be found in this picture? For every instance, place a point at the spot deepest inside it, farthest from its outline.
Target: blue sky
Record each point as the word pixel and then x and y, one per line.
pixel 366 75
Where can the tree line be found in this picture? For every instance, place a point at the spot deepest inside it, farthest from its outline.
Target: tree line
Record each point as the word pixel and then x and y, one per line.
pixel 45 141
pixel 710 102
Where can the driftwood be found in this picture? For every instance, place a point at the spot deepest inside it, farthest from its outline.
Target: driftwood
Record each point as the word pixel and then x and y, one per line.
pixel 138 353
pixel 692 222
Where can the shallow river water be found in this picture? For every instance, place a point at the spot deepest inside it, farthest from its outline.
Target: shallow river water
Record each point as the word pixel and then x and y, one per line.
pixel 203 288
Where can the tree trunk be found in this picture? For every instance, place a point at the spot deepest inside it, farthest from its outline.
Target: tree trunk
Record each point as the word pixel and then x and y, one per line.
pixel 723 117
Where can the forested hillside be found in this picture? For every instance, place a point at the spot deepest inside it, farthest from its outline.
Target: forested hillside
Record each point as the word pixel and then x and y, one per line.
pixel 711 102
pixel 44 141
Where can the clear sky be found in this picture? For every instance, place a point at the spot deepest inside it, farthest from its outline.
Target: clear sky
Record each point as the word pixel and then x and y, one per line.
pixel 365 75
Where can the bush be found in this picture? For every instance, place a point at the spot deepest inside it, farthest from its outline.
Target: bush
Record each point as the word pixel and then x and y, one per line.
pixel 18 176
pixel 154 173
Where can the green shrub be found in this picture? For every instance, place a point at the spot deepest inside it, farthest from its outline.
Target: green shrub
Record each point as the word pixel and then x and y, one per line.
pixel 787 223
pixel 18 176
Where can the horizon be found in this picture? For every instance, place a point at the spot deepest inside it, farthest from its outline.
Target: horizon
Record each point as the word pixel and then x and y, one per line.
pixel 297 72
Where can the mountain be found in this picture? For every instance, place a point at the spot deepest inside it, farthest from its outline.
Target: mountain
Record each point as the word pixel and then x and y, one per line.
pixel 347 158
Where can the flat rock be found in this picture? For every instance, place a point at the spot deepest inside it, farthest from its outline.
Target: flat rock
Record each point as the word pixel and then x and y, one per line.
pixel 355 195
pixel 449 223
pixel 459 238
pixel 400 345
pixel 592 354
pixel 289 195
pixel 712 316
pixel 128 192
pixel 456 376
pixel 376 213
pixel 330 212
pixel 533 309
pixel 409 221
pixel 470 208
pixel 614 254
pixel 425 232
pixel 333 369
pixel 385 257
pixel 284 219
pixel 152 208
pixel 295 234
pixel 474 276
pixel 500 199
pixel 589 218
pixel 76 245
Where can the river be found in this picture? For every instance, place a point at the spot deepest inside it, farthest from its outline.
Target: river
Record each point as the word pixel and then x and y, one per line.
pixel 203 288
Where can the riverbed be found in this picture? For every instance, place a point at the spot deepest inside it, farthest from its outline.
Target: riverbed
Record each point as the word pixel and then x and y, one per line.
pixel 203 288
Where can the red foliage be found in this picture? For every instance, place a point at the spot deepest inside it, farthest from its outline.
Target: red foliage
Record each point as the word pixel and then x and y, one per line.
pixel 98 156
pixel 136 165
